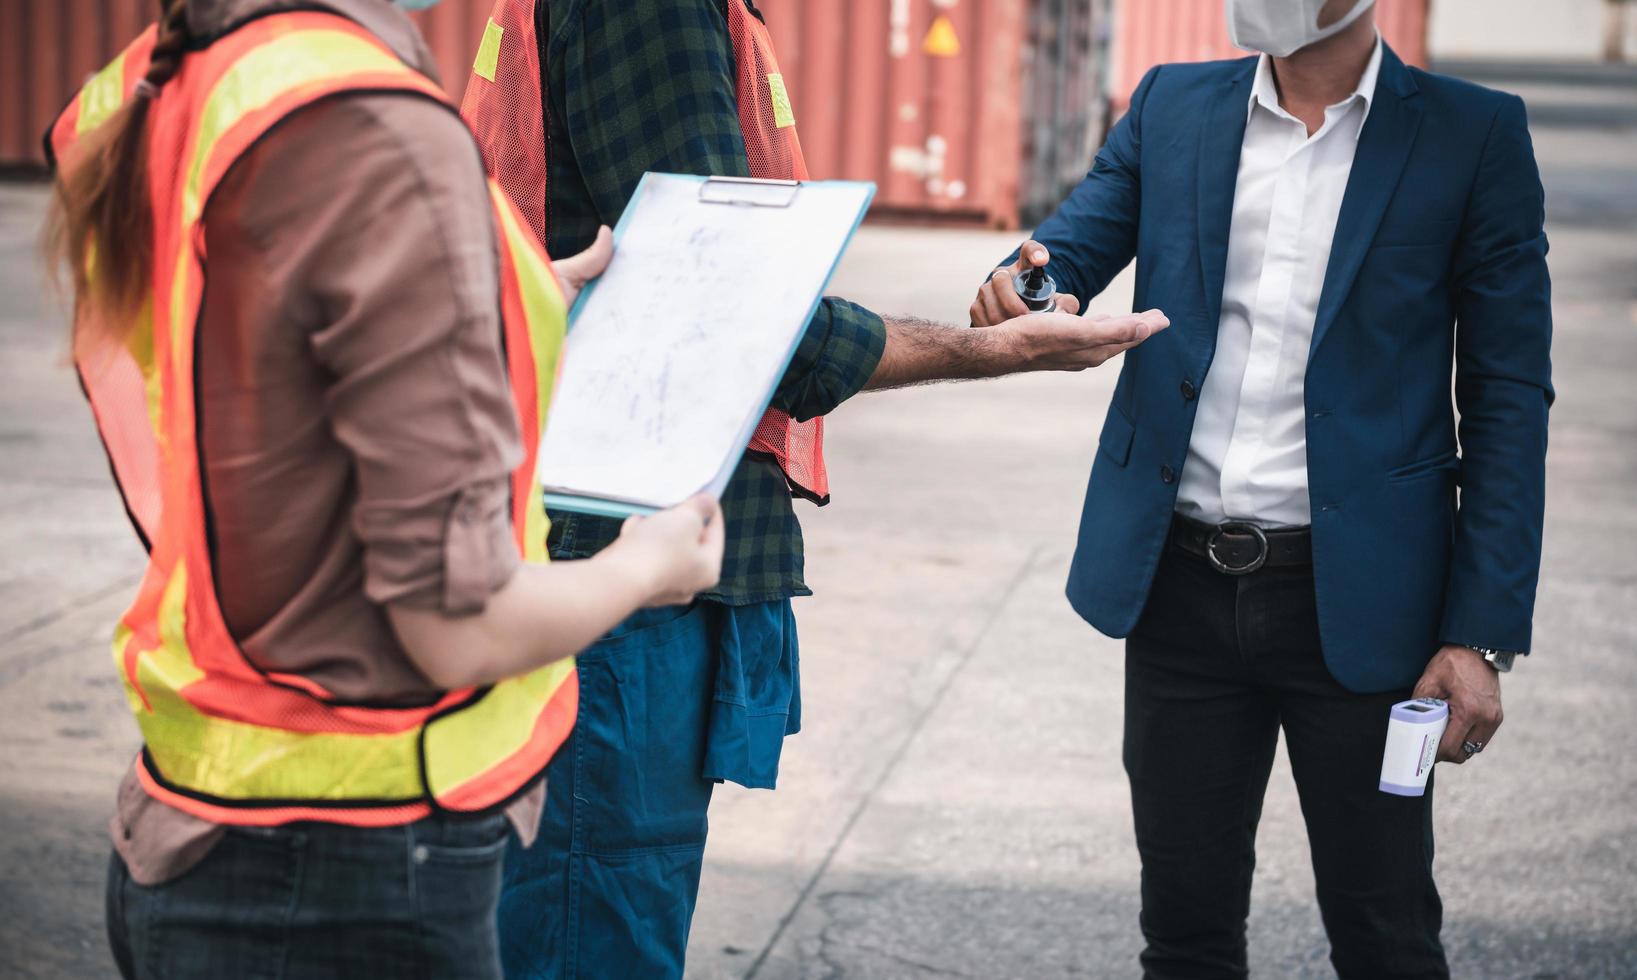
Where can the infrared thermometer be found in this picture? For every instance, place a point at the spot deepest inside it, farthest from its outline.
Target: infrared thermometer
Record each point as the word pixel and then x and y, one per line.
pixel 1413 731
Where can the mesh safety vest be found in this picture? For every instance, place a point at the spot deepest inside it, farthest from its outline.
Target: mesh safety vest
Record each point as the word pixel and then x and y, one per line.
pixel 224 740
pixel 505 107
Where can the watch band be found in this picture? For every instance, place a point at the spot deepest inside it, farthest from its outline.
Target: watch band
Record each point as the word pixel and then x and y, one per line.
pixel 1501 660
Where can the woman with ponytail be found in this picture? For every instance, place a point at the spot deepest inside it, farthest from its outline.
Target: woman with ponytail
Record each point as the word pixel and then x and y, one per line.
pixel 318 349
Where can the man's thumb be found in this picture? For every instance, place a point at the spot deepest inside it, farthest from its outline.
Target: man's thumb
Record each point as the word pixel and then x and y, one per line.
pixel 1031 255
pixel 585 266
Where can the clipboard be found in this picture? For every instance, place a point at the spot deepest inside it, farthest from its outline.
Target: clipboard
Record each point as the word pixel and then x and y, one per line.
pixel 673 354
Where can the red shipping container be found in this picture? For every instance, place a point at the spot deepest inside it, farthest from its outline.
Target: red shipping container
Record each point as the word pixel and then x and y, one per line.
pixel 920 96
pixel 1153 32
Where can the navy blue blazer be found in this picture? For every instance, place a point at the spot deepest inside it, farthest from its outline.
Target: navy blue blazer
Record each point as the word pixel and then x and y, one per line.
pixel 1423 532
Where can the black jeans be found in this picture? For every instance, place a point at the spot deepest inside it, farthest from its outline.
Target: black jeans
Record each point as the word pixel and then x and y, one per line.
pixel 1216 666
pixel 315 900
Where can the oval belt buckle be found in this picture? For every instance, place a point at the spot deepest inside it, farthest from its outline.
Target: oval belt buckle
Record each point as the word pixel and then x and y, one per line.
pixel 1237 527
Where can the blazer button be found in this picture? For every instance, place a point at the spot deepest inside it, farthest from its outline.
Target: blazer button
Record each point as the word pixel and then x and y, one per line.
pixel 1167 474
pixel 1189 392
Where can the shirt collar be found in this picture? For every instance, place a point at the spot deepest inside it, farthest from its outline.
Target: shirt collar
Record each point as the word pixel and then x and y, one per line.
pixel 1264 91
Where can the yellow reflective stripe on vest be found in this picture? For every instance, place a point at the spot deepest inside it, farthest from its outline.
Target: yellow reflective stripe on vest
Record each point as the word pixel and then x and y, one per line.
pixel 102 96
pixel 547 314
pixel 267 71
pixel 235 760
pixel 536 526
pixel 465 745
pixel 257 79
pixel 140 346
pixel 543 304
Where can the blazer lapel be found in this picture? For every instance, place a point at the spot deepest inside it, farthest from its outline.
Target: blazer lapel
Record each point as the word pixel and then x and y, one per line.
pixel 1383 148
pixel 1222 132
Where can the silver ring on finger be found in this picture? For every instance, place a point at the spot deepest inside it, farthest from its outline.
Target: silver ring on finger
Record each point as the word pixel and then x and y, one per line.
pixel 1472 748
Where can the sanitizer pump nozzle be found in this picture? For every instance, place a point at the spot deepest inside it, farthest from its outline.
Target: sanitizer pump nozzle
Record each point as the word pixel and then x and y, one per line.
pixel 1036 289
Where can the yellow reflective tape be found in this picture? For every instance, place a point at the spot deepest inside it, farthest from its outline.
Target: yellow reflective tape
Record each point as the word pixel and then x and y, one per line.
pixel 140 344
pixel 122 637
pixel 237 760
pixel 543 304
pixel 488 52
pixel 547 314
pixel 262 74
pixel 465 745
pixel 536 526
pixel 256 80
pixel 102 96
pixel 783 115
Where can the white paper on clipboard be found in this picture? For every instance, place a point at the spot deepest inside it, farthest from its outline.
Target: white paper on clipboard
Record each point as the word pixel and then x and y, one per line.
pixel 673 353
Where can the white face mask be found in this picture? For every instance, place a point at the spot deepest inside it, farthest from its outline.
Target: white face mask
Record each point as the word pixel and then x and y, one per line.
pixel 415 4
pixel 1281 27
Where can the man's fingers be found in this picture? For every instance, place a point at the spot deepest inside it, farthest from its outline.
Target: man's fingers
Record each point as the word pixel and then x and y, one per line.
pixel 991 306
pixel 1429 687
pixel 1449 747
pixel 1006 297
pixel 1031 255
pixel 1484 727
pixel 1067 303
pixel 1128 330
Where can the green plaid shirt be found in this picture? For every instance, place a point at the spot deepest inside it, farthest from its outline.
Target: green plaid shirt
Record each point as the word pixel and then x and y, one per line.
pixel 639 85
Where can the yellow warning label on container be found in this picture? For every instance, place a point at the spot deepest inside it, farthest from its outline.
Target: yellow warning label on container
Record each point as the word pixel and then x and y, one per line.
pixel 783 115
pixel 488 52
pixel 941 41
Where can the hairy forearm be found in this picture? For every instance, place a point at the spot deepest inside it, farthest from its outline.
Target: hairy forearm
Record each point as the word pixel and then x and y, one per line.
pixel 543 614
pixel 921 351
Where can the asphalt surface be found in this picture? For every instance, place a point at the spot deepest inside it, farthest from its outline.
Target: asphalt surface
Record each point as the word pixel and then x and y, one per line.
pixel 955 806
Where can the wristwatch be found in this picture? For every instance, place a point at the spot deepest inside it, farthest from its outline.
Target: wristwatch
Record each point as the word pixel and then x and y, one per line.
pixel 1501 660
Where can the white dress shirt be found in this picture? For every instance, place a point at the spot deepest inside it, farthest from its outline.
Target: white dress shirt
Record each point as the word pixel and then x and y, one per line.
pixel 1247 458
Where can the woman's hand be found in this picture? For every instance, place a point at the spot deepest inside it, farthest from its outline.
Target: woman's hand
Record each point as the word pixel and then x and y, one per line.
pixel 677 552
pixel 577 270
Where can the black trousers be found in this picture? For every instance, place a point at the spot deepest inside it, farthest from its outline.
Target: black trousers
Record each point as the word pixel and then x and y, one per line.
pixel 1215 668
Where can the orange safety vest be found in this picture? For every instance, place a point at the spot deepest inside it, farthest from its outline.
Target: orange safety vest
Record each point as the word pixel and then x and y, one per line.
pixel 225 740
pixel 505 106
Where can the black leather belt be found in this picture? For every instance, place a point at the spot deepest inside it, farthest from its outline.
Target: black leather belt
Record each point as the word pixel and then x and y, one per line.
pixel 1239 548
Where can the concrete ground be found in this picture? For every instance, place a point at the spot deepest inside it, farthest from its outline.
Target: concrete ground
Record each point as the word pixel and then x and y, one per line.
pixel 955 806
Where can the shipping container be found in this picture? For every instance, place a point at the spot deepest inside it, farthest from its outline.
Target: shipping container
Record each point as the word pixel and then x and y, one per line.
pixel 49 47
pixel 982 111
pixel 1153 32
pixel 921 96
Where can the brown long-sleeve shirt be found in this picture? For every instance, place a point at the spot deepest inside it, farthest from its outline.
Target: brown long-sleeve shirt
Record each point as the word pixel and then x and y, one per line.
pixel 356 424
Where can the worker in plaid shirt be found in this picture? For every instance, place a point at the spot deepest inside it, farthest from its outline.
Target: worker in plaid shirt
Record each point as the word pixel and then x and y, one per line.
pixel 678 699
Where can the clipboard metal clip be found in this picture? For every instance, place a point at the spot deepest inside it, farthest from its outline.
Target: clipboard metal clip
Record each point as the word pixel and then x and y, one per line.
pixel 749 191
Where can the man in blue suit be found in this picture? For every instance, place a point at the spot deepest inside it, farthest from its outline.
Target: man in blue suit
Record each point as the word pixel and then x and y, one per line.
pixel 1284 517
